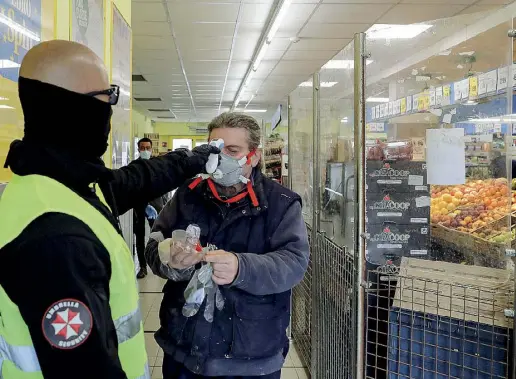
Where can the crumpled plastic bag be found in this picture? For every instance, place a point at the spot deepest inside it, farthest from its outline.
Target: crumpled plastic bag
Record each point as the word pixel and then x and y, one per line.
pixel 202 287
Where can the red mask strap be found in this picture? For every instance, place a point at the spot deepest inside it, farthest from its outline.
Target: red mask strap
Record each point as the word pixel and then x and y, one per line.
pixel 249 156
pixel 252 194
pixel 238 197
pixel 195 183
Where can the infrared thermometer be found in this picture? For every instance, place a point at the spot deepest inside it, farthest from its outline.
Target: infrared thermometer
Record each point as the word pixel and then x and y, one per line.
pixel 213 160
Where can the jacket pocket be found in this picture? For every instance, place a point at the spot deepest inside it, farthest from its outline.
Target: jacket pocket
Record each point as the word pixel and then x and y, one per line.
pixel 259 329
pixel 172 319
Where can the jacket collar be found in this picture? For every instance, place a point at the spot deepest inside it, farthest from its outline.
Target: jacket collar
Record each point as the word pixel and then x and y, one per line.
pixel 258 180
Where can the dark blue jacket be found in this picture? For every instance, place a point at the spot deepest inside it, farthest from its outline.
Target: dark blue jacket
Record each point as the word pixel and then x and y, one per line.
pixel 248 336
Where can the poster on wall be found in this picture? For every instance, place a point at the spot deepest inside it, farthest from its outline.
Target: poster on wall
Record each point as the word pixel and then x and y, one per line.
pixel 87 24
pixel 121 70
pixel 20 30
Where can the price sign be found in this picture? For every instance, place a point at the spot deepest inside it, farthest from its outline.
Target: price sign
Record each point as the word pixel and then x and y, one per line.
pixel 446 95
pixel 457 88
pixel 415 102
pixel 439 96
pixel 473 87
pixel 464 87
pixel 491 79
pixel 482 84
pixel 403 106
pixel 503 78
pixel 409 104
pixel 432 98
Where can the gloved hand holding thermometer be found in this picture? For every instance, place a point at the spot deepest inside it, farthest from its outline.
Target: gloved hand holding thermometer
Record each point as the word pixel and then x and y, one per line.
pixel 213 160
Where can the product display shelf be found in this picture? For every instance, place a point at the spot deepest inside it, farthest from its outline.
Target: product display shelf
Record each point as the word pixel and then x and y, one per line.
pixel 154 137
pixel 273 158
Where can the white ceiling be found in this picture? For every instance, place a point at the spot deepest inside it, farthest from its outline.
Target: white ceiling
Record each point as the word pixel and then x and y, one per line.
pixel 195 54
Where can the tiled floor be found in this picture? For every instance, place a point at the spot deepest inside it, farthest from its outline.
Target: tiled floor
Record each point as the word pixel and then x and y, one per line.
pixel 150 300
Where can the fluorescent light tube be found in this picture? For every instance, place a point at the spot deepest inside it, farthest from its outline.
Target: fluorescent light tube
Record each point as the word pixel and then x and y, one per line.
pixel 279 18
pixel 393 31
pixel 323 84
pixel 3 106
pixel 19 28
pixel 260 56
pixel 343 64
pixel 252 110
pixel 377 100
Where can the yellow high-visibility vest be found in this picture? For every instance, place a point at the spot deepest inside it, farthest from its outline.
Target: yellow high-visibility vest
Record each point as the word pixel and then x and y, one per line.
pixel 25 199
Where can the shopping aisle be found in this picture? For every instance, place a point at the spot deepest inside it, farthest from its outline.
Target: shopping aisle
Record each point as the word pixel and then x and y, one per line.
pixel 150 300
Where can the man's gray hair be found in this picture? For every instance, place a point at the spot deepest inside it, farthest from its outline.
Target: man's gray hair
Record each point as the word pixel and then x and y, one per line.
pixel 238 120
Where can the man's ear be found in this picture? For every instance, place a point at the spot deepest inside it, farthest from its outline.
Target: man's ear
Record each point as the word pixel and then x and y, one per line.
pixel 255 159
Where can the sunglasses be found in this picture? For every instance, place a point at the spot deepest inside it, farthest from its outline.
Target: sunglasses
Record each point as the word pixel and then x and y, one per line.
pixel 113 94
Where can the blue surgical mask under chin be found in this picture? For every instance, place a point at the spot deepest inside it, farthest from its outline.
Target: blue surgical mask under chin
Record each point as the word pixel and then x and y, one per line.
pixel 146 154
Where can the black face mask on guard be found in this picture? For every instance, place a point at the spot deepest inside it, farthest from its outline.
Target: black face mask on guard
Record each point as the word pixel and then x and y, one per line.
pixel 64 120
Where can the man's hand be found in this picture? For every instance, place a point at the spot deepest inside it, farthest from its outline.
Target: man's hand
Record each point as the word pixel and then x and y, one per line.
pixel 183 256
pixel 225 266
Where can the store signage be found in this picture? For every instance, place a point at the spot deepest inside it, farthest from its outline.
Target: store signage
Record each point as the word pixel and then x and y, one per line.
pixel 276 118
pixel 16 41
pixel 503 78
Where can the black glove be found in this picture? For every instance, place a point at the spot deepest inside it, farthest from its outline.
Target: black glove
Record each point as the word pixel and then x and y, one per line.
pixel 206 150
pixel 198 157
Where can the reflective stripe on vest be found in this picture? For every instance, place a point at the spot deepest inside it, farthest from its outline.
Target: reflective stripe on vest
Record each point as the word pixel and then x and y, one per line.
pixel 25 357
pixel 128 326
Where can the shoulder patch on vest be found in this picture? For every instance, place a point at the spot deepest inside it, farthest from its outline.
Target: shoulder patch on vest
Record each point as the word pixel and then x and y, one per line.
pixel 67 324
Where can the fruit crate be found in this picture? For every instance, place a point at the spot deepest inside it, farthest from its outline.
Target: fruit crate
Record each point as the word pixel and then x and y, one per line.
pixel 477 251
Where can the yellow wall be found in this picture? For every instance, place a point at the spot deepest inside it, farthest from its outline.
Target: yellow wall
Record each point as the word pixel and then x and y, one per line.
pixel 55 23
pixel 141 124
pixel 170 130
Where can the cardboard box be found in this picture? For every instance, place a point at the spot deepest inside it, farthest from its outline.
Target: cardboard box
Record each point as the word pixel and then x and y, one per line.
pixel 398 207
pixel 401 176
pixel 388 243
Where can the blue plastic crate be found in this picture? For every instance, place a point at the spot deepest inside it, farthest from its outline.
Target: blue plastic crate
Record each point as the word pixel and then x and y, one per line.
pixel 426 346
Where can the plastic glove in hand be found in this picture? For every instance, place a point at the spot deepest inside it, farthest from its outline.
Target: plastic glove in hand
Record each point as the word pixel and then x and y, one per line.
pixel 151 212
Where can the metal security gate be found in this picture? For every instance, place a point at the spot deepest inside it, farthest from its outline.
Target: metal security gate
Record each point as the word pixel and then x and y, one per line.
pixel 334 304
pixel 302 313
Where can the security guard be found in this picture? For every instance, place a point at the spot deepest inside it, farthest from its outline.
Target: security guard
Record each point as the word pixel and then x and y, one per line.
pixel 68 294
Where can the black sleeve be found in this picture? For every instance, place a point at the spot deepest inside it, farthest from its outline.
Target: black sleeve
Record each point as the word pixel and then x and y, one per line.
pixel 70 274
pixel 144 180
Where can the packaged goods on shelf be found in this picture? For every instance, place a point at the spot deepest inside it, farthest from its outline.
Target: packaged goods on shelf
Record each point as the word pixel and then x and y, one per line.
pixel 392 150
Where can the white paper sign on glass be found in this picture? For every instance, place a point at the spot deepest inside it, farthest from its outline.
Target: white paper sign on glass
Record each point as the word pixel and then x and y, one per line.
pixel 446 162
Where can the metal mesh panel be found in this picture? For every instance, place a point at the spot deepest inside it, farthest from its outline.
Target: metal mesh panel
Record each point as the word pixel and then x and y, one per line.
pixel 302 313
pixel 334 310
pixel 421 327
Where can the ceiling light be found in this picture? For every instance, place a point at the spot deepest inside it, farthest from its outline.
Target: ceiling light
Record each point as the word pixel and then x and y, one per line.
pixel 3 106
pixel 260 56
pixel 246 110
pixel 377 100
pixel 344 120
pixel 279 18
pixel 3 98
pixel 323 84
pixel 343 64
pixel 387 31
pixel 19 28
pixel 6 63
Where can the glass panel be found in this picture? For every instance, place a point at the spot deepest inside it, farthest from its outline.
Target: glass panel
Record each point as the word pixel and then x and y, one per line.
pixel 336 148
pixel 439 121
pixel 301 117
